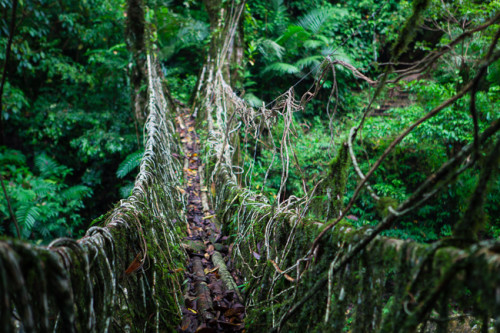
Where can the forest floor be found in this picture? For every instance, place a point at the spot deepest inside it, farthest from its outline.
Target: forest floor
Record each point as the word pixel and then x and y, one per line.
pixel 212 302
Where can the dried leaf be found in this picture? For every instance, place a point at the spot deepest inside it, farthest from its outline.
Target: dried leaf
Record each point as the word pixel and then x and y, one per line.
pixel 135 265
pixel 208 271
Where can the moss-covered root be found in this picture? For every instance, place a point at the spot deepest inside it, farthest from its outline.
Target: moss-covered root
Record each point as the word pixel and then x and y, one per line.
pixel 474 217
pixel 225 275
pixel 330 194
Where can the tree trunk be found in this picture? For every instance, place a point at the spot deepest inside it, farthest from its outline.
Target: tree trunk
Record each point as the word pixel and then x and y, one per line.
pixel 135 37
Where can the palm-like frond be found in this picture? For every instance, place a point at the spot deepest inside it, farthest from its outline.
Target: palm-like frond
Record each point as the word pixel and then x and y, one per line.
pixel 311 61
pixel 313 43
pixel 338 54
pixel 270 49
pixel 131 162
pixel 192 32
pixel 282 68
pixel 297 32
pixel 314 20
pixel 253 100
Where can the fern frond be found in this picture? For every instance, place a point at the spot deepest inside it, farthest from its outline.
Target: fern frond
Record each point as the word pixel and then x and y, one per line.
pixel 26 215
pixel 339 55
pixel 11 156
pixel 49 167
pixel 282 68
pixel 270 49
pixel 192 32
pixel 77 192
pixel 313 43
pixel 314 20
pixel 42 187
pixel 297 32
pixel 253 100
pixel 131 162
pixel 23 195
pixel 311 61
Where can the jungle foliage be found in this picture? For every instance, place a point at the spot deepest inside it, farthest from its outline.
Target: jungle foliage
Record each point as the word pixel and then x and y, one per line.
pixel 67 100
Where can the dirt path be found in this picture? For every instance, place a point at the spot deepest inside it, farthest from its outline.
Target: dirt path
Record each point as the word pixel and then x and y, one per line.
pixel 212 300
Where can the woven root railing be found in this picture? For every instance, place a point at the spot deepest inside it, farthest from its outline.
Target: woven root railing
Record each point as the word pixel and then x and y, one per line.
pixel 121 277
pixel 391 285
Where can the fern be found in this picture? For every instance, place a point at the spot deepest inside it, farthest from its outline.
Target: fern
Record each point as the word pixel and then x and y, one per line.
pixel 339 55
pixel 311 61
pixel 76 192
pixel 297 32
pixel 43 187
pixel 11 156
pixel 49 167
pixel 314 20
pixel 253 100
pixel 23 195
pixel 131 162
pixel 27 215
pixel 282 68
pixel 270 49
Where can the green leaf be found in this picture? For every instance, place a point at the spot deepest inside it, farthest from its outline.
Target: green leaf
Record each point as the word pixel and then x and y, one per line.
pixel 76 192
pixel 253 100
pixel 49 167
pixel 314 20
pixel 295 31
pixel 282 68
pixel 131 162
pixel 311 61
pixel 11 156
pixel 270 49
pixel 26 215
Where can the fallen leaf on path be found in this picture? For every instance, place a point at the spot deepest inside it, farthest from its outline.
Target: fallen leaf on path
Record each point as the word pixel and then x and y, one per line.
pixel 208 271
pixel 235 310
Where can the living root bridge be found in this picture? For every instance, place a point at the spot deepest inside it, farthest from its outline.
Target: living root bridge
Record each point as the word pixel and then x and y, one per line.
pixel 124 276
pixel 390 286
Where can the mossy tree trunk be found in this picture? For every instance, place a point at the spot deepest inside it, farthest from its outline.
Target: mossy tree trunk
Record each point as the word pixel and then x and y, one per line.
pixel 136 41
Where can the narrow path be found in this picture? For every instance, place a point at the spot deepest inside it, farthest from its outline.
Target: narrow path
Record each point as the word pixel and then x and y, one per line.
pixel 212 300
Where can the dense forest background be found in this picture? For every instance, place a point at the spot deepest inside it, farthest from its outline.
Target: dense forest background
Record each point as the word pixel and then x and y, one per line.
pixel 71 138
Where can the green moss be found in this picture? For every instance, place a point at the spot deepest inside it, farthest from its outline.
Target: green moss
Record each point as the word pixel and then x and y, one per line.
pixel 328 200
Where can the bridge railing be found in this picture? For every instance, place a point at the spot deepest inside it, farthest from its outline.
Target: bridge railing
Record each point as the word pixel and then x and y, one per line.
pixel 123 276
pixel 305 275
pixel 391 285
